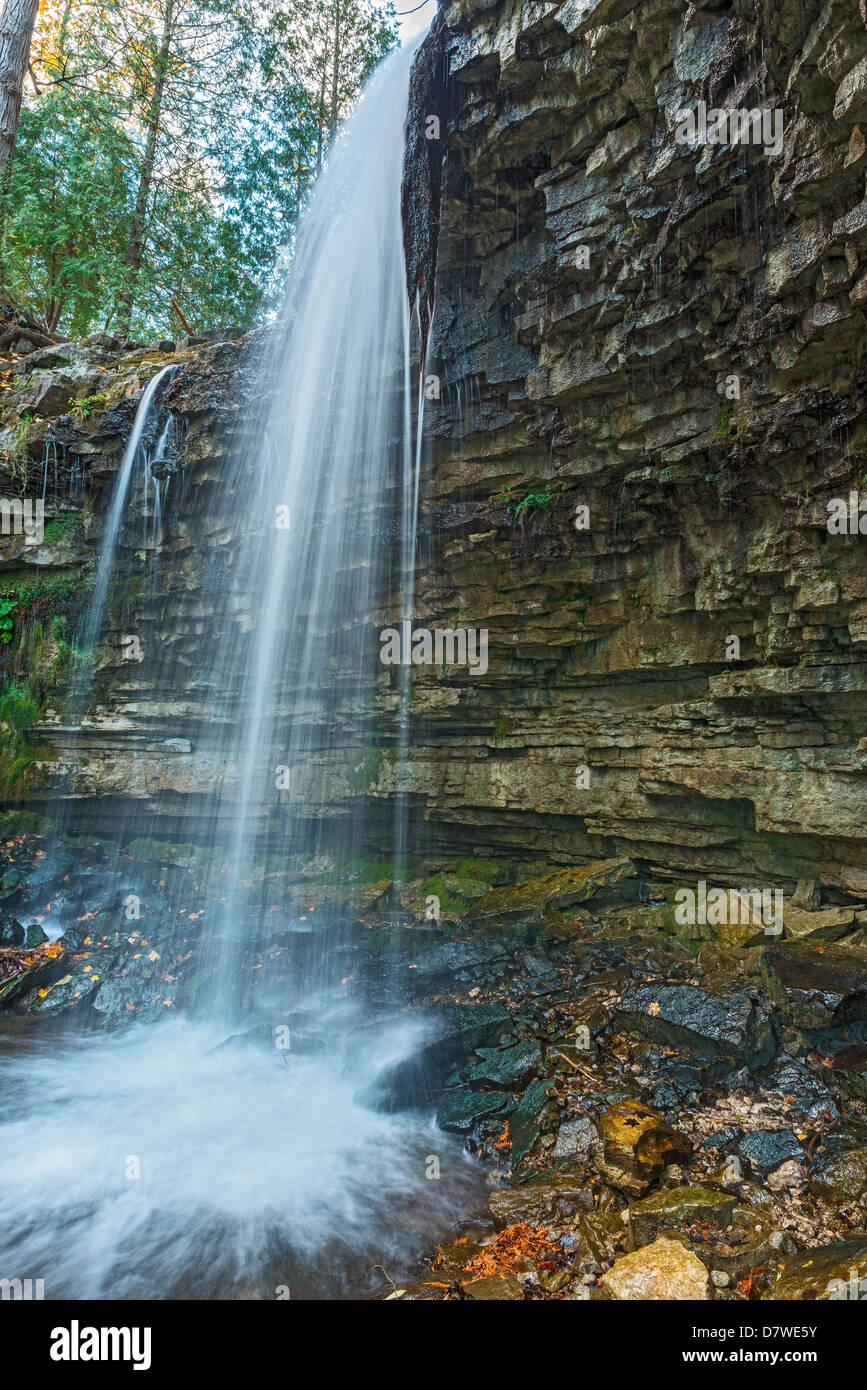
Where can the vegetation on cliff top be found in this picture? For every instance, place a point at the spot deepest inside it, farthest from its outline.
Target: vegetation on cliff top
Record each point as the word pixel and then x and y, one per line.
pixel 164 151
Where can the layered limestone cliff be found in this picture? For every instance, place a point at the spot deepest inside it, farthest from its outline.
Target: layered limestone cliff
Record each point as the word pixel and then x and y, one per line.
pixel 670 334
pixel 656 338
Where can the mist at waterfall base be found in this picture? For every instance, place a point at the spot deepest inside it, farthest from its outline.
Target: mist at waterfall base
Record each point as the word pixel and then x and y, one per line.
pixel 257 1174
pixel 191 1157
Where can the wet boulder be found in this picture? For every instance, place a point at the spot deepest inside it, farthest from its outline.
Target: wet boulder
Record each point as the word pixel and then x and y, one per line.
pixel 461 1029
pixel 526 1123
pixel 460 1112
pixel 420 960
pixel 841 1177
pixel 815 985
pixel 13 879
pixel 604 1235
pixel 12 933
pixel 836 1271
pixel 120 998
pixel 557 892
pixel 34 936
pixel 577 1139
pixel 849 1069
pixel 505 1066
pixel 637 1144
pixel 830 922
pixel 493 1287
pixel 663 1271
pixel 807 1087
pixel 550 1201
pixel 725 1030
pixel 61 990
pixel 765 1149
pixel 678 1207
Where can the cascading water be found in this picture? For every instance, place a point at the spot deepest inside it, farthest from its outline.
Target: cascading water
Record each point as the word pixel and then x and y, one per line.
pixel 117 510
pixel 258 1167
pixel 334 462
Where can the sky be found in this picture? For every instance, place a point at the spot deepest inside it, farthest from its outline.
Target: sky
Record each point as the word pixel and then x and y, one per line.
pixel 412 24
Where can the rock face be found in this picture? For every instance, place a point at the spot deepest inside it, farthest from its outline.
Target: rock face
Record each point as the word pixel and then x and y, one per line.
pixel 692 379
pixel 649 358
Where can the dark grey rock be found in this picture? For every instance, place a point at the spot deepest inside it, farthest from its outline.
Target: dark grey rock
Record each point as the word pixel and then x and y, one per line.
pixel 525 1125
pixel 461 1111
pixel 727 1030
pixel 11 932
pixel 505 1066
pixel 766 1149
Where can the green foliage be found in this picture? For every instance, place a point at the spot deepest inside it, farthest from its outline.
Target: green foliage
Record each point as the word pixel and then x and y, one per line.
pixel 17 456
pixel 60 528
pixel 535 499
pixel 19 707
pixel 7 608
pixel 164 159
pixel 723 429
pixel 369 870
pixel 436 887
pixel 66 201
pixel 86 404
pixel 21 762
pixel 368 769
pixel 22 823
pixel 25 591
pixel 483 870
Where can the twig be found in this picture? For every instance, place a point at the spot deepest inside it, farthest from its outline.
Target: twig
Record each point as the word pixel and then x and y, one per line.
pixel 583 1071
pixel 387 1279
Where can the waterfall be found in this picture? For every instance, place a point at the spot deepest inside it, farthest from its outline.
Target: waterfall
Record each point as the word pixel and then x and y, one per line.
pixel 107 564
pixel 258 1168
pixel 117 510
pixel 333 463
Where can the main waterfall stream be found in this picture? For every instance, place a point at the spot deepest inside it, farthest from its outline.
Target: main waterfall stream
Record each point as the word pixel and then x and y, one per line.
pixel 192 1157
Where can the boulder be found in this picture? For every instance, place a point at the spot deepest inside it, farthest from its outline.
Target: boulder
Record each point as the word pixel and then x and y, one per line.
pixel 576 1139
pixel 831 922
pixel 664 1271
pixel 637 1144
pixel 849 1068
pixel 677 1207
pixel 836 1271
pixel 460 1111
pixel 462 1029
pixel 841 1177
pixel 12 933
pixel 557 892
pixel 726 1029
pixel 505 1066
pixel 494 1286
pixel 816 986
pixel 766 1149
pixel 541 1202
pixel 525 1124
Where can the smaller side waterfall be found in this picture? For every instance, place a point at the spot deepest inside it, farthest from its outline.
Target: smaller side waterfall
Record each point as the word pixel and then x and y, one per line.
pixel 114 520
pixel 135 453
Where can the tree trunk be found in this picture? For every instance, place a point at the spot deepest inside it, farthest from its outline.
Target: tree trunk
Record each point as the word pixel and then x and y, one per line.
pixel 16 30
pixel 138 224
pixel 335 71
pixel 320 115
